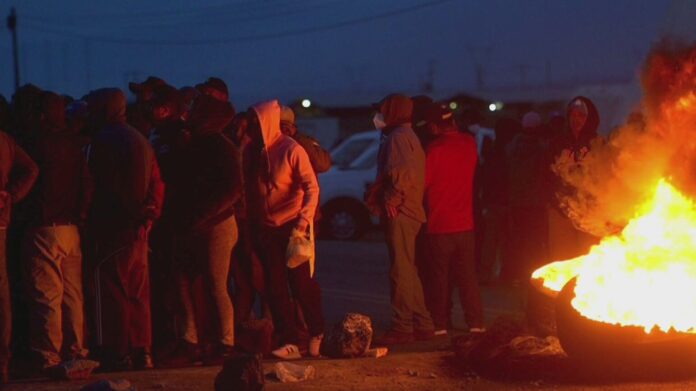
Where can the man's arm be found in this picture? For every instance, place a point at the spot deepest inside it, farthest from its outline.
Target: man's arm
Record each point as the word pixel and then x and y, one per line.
pixel 23 175
pixel 304 175
pixel 399 173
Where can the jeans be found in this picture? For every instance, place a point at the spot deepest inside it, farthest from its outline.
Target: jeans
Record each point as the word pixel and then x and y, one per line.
pixel 452 259
pixel 53 270
pixel 271 245
pixel 5 303
pixel 408 304
pixel 203 276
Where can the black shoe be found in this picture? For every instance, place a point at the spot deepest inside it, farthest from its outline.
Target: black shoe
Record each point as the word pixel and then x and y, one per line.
pixel 116 365
pixel 216 354
pixel 142 359
pixel 185 354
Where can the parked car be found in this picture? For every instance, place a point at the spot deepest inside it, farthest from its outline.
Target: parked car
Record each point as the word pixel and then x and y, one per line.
pixel 344 214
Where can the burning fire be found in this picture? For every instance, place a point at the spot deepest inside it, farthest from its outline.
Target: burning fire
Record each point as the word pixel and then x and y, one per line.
pixel 645 276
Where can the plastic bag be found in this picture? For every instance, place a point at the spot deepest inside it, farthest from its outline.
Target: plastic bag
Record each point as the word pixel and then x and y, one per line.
pixel 290 373
pixel 300 248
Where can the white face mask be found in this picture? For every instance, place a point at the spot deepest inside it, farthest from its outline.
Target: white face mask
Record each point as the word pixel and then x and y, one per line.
pixel 378 120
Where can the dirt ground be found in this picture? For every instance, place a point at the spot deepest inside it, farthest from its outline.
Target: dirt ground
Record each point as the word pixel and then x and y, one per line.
pixel 354 278
pixel 410 371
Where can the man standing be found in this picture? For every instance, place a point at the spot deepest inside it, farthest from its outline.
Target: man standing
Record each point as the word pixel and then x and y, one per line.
pixel 52 251
pixel 398 195
pixel 282 197
pixel 449 181
pixel 17 175
pixel 127 199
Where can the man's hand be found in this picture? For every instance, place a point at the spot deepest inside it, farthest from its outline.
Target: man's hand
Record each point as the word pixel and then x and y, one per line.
pixel 144 230
pixel 392 211
pixel 302 225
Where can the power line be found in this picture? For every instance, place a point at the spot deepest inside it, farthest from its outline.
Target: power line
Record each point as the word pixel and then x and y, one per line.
pixel 236 15
pixel 242 38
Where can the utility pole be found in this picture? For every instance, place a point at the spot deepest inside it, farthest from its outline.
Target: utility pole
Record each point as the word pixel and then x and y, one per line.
pixel 12 25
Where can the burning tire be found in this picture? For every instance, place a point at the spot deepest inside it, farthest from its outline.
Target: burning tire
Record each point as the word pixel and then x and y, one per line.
pixel 622 348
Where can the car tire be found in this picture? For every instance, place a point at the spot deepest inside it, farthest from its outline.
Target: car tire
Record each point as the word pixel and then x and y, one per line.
pixel 344 220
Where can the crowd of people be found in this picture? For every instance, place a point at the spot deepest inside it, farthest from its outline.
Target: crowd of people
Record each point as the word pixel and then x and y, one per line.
pixel 219 196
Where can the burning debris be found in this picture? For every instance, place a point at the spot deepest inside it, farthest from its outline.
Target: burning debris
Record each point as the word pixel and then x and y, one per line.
pixel 631 299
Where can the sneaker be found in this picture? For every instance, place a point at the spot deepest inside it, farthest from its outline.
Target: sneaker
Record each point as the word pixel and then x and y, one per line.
pixel 477 330
pixel 424 335
pixel 315 345
pixel 184 354
pixel 142 360
pixel 440 333
pixel 287 352
pixel 214 355
pixel 392 337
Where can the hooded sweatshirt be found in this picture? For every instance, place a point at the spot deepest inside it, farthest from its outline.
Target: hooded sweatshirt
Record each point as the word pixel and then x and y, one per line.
pixel 128 189
pixel 568 143
pixel 401 160
pixel 288 190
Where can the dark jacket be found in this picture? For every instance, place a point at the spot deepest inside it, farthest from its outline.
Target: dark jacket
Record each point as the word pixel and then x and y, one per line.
pixel 128 188
pixel 208 183
pixel 63 191
pixel 401 161
pixel 318 156
pixel 567 143
pixel 17 174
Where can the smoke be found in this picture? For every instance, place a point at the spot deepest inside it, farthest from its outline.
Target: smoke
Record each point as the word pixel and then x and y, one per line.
pixel 620 173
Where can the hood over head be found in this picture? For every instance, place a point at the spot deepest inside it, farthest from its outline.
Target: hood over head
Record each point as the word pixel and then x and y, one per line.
pixel 107 106
pixel 269 120
pixel 53 112
pixel 397 109
pixel 589 129
pixel 209 115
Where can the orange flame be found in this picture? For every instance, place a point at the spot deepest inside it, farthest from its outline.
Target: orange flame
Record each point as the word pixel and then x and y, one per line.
pixel 645 276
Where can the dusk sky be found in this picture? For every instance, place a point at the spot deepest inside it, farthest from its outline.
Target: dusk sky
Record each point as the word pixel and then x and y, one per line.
pixel 334 51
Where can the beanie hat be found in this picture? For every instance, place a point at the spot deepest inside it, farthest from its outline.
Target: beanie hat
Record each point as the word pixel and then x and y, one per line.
pixel 531 120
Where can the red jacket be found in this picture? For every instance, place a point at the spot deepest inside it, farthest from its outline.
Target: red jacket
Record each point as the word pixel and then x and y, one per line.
pixel 449 183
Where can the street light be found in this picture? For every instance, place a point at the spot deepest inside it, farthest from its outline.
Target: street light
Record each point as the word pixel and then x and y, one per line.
pixel 306 103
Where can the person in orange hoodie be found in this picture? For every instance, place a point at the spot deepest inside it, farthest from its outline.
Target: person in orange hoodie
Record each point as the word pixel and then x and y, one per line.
pixel 282 196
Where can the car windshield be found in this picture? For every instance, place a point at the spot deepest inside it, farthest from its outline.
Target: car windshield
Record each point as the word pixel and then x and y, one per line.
pixel 345 153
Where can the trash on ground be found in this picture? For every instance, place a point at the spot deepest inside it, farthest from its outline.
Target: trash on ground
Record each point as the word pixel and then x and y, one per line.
pixel 241 372
pixel 376 352
pixel 350 337
pixel 289 373
pixel 73 370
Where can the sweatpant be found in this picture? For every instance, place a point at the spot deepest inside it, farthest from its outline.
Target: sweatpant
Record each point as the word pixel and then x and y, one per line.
pixel 204 274
pixel 5 303
pixel 271 245
pixel 123 316
pixel 452 260
pixel 409 312
pixel 53 267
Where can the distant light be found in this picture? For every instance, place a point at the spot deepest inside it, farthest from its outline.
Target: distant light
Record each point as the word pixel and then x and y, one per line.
pixel 453 105
pixel 306 103
pixel 492 107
